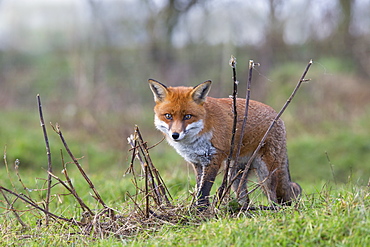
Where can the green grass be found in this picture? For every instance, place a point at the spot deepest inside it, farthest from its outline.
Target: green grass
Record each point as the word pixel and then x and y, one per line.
pixel 21 138
pixel 333 211
pixel 325 219
pixel 327 216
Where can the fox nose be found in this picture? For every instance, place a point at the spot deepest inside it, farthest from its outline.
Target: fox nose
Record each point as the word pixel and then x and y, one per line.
pixel 175 135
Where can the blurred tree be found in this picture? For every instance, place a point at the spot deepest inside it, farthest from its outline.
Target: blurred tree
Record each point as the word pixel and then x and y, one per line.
pixel 340 42
pixel 343 41
pixel 160 28
pixel 343 34
pixel 273 45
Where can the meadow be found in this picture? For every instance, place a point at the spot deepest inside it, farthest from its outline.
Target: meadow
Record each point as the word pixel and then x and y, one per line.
pixel 329 157
pixel 332 169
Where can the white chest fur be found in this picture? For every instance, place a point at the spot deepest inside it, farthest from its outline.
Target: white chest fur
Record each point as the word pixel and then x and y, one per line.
pixel 197 150
pixel 193 147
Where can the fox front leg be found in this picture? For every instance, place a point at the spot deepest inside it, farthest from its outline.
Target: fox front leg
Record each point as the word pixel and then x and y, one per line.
pixel 206 175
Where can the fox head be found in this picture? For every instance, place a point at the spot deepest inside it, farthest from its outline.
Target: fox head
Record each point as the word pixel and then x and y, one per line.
pixel 179 111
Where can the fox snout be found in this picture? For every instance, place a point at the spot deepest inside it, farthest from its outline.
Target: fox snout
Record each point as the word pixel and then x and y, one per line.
pixel 175 135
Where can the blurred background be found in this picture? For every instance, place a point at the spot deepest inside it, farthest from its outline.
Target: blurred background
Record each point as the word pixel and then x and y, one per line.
pixel 90 61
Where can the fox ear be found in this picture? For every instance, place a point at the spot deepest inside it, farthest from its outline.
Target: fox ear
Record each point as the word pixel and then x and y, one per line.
pixel 159 90
pixel 200 92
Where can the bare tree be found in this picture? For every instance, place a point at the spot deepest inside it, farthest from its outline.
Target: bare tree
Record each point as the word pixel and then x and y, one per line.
pixel 160 28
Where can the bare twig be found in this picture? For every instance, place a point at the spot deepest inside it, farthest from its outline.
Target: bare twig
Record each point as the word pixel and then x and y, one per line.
pixel 83 173
pixel 153 170
pixel 146 173
pixel 16 168
pixel 5 197
pixel 36 206
pixel 73 192
pixel 137 205
pixel 147 170
pixel 13 210
pixel 7 169
pixel 137 152
pixel 156 144
pixel 258 185
pixel 152 176
pixel 245 117
pixel 221 189
pixel 247 97
pixel 331 167
pixel 132 141
pixel 242 180
pixel 70 186
pixel 50 170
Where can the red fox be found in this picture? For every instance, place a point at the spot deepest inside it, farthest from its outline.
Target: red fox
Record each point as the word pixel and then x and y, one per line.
pixel 200 128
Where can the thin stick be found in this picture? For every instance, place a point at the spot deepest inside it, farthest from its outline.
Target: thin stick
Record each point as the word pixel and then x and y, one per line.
pixel 331 167
pixel 74 193
pixel 132 141
pixel 13 210
pixel 36 206
pixel 148 171
pixel 137 205
pixel 71 187
pixel 242 180
pixel 153 181
pixel 154 172
pixel 137 152
pixel 247 98
pixel 16 168
pixel 245 117
pixel 147 210
pixel 83 173
pixel 221 189
pixel 7 170
pixel 156 144
pixel 50 170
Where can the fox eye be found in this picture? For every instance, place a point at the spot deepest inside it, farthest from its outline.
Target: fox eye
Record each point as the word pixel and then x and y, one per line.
pixel 168 116
pixel 187 116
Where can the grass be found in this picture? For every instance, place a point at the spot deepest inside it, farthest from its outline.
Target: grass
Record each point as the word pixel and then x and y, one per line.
pixel 326 217
pixel 333 211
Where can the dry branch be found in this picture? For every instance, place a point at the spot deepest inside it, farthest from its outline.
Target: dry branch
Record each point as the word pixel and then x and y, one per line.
pixel 16 168
pixel 7 170
pixel 83 173
pixel 50 170
pixel 224 192
pixel 245 117
pixel 104 222
pixel 221 190
pixel 154 184
pixel 11 208
pixel 74 193
pixel 302 79
pixel 23 198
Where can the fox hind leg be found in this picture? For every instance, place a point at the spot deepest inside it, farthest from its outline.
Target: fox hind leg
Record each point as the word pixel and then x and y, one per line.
pixel 236 171
pixel 275 178
pixel 266 179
